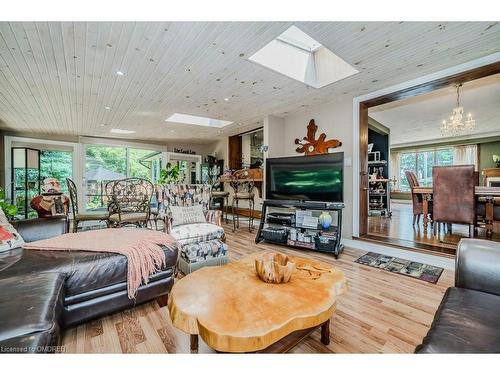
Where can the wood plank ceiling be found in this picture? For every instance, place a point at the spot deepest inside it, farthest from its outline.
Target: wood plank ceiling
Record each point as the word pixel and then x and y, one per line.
pixel 59 78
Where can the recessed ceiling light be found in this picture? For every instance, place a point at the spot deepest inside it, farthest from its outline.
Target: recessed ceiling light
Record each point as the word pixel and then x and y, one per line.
pixel 226 99
pixel 122 131
pixel 197 120
pixel 120 73
pixel 102 125
pixel 107 108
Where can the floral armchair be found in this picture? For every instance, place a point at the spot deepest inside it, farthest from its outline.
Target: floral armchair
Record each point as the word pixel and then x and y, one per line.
pixel 202 243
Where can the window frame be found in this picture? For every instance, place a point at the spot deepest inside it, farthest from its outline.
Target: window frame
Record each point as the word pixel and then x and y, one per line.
pixel 418 152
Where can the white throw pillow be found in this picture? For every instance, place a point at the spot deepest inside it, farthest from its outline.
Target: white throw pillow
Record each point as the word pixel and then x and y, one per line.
pixel 9 238
pixel 187 215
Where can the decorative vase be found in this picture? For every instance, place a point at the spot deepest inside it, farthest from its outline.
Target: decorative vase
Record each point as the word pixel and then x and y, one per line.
pixel 325 219
pixel 274 268
pixel 497 164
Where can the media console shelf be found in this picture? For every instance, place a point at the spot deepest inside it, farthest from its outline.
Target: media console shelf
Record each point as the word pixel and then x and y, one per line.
pixel 282 223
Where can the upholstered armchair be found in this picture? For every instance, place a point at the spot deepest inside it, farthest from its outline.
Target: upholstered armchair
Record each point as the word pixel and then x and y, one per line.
pixel 417 199
pixel 197 229
pixel 454 198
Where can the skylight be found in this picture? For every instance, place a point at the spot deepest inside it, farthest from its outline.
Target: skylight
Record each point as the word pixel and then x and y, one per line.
pixel 197 120
pixel 122 131
pixel 301 57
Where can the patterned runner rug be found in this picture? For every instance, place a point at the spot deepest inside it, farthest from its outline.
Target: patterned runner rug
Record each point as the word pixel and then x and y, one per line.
pixel 405 267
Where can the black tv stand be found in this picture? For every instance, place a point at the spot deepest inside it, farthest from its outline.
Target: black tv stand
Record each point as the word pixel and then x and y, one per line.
pixel 324 240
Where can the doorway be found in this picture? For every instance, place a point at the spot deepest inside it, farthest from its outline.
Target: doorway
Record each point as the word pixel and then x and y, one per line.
pixel 419 160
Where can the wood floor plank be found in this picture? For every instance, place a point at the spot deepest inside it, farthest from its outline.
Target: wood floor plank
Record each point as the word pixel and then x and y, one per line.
pixel 381 312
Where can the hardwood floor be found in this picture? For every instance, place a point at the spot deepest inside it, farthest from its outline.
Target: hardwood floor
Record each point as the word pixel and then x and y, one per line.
pixel 381 312
pixel 399 230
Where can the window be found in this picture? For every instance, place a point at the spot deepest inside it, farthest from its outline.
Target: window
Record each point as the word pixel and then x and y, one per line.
pixel 421 163
pixel 107 163
pixel 56 164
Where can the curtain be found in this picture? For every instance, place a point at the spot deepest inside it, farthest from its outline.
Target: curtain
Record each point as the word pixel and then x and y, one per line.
pixel 465 155
pixel 394 169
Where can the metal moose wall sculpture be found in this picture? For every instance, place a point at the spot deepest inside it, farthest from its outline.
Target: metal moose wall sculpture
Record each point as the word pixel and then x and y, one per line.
pixel 312 146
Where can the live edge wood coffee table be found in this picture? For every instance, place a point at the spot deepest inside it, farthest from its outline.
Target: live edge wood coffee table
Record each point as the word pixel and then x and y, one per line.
pixel 234 311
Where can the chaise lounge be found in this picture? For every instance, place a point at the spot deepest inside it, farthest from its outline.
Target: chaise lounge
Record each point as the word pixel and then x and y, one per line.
pixel 44 291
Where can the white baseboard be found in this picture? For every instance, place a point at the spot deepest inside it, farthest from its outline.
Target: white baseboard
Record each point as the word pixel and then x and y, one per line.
pixel 433 260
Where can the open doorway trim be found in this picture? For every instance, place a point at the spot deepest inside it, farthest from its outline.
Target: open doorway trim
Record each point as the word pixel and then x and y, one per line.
pixel 475 69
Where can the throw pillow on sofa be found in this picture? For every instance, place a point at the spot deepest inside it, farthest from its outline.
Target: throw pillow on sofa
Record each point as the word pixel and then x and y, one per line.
pixel 187 215
pixel 9 238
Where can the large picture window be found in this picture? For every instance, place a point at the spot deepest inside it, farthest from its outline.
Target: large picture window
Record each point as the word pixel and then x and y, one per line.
pixel 421 163
pixel 108 163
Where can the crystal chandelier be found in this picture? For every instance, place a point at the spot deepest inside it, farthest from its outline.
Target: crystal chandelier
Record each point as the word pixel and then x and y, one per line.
pixel 457 125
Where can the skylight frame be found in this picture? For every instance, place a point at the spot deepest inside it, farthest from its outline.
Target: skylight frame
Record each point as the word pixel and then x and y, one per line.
pixel 122 131
pixel 187 119
pixel 297 55
pixel 308 43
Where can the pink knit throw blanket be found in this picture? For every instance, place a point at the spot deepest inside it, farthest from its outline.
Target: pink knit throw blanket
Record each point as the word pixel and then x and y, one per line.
pixel 141 247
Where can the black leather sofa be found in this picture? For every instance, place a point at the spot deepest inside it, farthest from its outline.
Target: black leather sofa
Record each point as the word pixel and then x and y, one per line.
pixel 42 292
pixel 468 318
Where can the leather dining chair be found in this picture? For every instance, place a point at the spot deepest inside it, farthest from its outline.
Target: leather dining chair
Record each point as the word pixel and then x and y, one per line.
pixel 417 199
pixel 453 196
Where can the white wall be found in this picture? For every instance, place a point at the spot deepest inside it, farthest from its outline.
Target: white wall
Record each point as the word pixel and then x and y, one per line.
pixel 274 127
pixel 200 149
pixel 246 149
pixel 334 119
pixel 220 149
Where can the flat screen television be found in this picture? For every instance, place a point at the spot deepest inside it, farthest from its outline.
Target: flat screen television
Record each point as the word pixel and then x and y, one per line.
pixel 317 178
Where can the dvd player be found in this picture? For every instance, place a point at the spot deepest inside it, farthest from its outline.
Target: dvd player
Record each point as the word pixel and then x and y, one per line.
pixel 280 218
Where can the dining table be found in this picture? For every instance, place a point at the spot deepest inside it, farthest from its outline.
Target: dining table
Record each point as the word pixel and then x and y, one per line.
pixel 488 193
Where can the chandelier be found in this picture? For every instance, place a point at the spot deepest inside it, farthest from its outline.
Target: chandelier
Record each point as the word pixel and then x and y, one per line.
pixel 457 125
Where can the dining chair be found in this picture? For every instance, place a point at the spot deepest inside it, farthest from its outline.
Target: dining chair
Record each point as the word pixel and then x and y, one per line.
pixel 218 194
pixel 453 196
pixel 81 217
pixel 243 191
pixel 130 202
pixel 417 199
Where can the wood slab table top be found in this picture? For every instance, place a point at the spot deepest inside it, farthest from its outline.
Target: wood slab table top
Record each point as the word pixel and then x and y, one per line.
pixel 234 311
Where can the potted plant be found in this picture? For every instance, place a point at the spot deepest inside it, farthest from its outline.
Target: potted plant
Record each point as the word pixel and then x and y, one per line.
pixel 496 160
pixel 9 209
pixel 169 175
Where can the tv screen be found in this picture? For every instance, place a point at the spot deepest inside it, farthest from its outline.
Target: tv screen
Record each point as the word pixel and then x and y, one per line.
pixel 306 178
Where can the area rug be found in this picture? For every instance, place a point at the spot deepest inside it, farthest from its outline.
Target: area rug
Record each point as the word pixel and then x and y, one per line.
pixel 405 267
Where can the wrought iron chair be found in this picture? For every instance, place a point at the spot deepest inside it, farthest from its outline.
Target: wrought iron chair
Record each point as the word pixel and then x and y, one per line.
pixel 243 191
pixel 220 195
pixel 130 202
pixel 79 217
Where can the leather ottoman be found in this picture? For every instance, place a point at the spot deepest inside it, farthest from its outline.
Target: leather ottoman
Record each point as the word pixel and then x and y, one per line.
pixel 30 311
